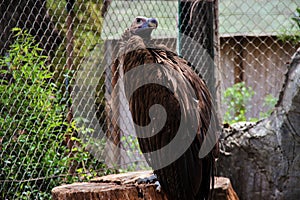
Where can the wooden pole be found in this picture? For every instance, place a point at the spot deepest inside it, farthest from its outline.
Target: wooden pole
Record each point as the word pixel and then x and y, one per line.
pixel 238 61
pixel 69 66
pixel 196 25
pixel 112 107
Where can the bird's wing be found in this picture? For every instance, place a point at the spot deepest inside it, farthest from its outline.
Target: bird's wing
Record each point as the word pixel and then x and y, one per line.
pixel 188 177
pixel 198 171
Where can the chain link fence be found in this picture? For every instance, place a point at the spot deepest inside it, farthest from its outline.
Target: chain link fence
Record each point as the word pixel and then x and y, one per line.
pixel 254 54
pixel 56 124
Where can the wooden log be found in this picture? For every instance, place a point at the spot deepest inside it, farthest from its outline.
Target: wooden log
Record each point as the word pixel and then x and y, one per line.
pixel 223 190
pixel 125 187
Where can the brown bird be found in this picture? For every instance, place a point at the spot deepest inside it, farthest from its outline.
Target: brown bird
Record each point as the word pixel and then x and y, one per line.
pixel 172 110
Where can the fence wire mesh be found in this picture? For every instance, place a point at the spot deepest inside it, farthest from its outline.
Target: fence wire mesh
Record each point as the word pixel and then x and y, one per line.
pixel 56 82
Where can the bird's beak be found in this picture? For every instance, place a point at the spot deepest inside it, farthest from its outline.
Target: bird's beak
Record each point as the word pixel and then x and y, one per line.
pixel 152 23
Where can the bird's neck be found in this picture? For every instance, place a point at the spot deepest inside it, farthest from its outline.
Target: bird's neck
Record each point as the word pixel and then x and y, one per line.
pixel 127 35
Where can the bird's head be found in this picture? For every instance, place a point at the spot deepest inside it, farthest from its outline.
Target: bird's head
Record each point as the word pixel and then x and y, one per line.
pixel 143 26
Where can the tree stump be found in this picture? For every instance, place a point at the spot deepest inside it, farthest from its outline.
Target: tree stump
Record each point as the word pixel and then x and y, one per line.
pixel 125 187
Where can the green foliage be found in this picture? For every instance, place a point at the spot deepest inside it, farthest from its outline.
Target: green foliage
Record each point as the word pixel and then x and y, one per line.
pixel 236 98
pixel 87 28
pixel 88 48
pixel 34 156
pixel 131 146
pixel 269 102
pixel 31 123
pixel 295 38
pixel 86 166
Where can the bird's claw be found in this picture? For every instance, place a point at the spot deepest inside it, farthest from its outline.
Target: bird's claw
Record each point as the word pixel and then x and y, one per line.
pixel 150 179
pixel 158 186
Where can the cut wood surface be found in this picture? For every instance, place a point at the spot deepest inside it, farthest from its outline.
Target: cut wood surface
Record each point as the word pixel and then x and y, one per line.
pixel 125 187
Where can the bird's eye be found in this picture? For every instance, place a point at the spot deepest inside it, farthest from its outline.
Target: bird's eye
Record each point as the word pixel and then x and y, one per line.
pixel 138 20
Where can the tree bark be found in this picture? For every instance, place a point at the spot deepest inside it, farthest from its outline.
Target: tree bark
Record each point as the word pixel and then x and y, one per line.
pixel 262 160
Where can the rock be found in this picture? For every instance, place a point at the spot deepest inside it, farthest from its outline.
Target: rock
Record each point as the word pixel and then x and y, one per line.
pixel 262 159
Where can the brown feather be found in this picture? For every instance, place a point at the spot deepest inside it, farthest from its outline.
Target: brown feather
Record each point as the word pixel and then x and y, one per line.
pixel 189 177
